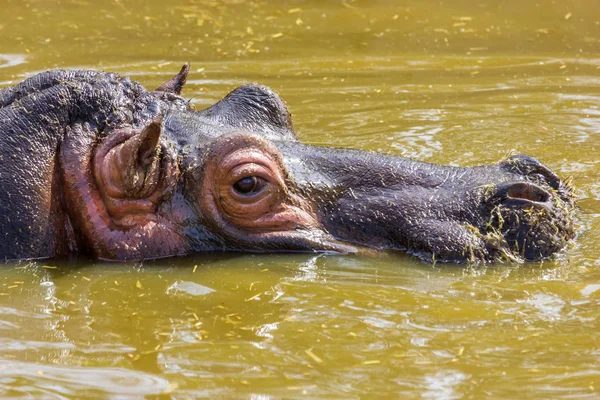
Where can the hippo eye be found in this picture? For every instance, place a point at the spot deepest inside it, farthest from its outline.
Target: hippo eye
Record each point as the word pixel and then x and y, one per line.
pixel 249 185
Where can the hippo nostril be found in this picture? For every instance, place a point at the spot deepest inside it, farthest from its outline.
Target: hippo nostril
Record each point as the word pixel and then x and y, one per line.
pixel 522 194
pixel 527 191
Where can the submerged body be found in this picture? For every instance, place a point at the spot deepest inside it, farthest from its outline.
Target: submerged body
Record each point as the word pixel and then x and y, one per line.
pixel 93 163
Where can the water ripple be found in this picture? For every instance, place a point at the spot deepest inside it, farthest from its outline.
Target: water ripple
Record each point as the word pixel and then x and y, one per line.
pixel 10 60
pixel 68 380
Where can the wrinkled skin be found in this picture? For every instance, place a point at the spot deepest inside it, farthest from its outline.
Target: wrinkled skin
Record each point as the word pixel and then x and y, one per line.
pixel 93 163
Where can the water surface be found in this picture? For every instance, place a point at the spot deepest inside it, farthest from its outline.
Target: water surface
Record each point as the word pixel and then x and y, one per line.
pixel 456 82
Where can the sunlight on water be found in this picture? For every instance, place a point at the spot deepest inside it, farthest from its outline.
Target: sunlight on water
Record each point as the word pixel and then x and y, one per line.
pixel 10 60
pixel 448 82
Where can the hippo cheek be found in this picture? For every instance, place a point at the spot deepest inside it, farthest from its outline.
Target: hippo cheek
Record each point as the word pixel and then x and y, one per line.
pixel 114 190
pixel 246 199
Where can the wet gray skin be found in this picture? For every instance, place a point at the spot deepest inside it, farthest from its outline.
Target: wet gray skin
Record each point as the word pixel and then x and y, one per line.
pixel 243 182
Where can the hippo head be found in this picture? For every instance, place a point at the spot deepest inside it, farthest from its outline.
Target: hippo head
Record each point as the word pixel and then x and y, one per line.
pixel 234 177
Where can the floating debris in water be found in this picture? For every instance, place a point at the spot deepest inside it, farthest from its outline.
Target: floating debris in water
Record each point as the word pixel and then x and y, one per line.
pixel 313 356
pixel 191 288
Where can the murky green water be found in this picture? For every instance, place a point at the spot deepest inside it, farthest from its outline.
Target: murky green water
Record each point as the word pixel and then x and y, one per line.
pixel 458 82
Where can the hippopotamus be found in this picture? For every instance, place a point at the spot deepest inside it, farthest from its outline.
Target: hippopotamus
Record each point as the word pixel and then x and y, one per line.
pixel 93 163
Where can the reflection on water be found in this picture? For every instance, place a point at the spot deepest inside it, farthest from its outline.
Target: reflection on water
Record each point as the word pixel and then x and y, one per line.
pixel 294 324
pixel 444 82
pixel 38 380
pixel 441 385
pixel 10 60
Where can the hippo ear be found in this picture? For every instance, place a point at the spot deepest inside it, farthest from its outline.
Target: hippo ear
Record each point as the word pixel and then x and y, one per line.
pixel 146 144
pixel 140 154
pixel 176 83
pixel 131 169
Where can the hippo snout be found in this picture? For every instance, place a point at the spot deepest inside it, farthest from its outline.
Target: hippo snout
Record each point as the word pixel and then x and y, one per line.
pixel 534 217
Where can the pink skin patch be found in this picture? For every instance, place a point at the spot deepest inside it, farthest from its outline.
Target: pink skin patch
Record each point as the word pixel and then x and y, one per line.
pixel 115 226
pixel 273 208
